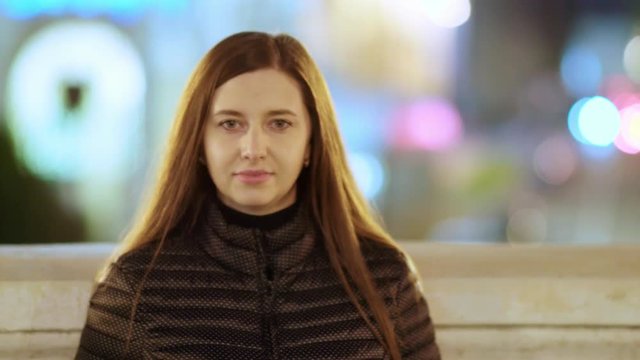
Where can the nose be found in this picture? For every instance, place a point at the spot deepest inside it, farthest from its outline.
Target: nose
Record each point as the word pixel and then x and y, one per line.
pixel 254 145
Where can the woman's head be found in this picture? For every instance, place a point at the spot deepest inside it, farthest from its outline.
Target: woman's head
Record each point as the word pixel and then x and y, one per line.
pixel 238 67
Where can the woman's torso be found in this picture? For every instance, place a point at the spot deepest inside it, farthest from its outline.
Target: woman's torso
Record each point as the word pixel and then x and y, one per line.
pixel 194 307
pixel 232 292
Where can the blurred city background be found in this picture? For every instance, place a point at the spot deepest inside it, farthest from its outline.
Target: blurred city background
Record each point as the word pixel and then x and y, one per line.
pixel 465 121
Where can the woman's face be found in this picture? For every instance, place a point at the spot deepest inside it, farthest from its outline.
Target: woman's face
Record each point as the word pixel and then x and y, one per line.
pixel 256 141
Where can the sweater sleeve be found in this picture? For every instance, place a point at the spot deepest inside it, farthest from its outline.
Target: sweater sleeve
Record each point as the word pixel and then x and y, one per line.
pixel 107 325
pixel 413 322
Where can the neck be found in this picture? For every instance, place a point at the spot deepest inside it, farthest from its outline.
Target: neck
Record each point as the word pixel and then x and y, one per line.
pixel 264 222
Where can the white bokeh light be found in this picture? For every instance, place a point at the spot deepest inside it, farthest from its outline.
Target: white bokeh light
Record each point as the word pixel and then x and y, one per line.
pixel 103 138
pixel 448 13
pixel 631 59
pixel 599 121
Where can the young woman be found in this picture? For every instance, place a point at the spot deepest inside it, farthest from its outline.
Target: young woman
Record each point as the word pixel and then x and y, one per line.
pixel 256 243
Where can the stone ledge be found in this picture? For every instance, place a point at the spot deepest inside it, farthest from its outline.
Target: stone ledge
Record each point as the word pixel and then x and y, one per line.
pixel 39 345
pixel 436 260
pixel 456 343
pixel 43 305
pixel 539 343
pixel 52 262
pixel 487 301
pixel 565 301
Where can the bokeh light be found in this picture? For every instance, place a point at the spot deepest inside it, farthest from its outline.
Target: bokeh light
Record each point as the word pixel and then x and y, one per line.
pixel 69 110
pixel 431 124
pixel 581 71
pixel 622 145
pixel 631 59
pixel 361 118
pixel 625 99
pixel 572 120
pixel 555 160
pixel 448 13
pixel 599 121
pixel 368 172
pixel 121 10
pixel 628 139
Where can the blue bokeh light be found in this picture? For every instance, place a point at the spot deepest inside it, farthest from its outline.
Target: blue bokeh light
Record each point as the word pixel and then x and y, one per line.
pixel 124 10
pixel 581 71
pixel 361 117
pixel 572 120
pixel 368 172
pixel 599 121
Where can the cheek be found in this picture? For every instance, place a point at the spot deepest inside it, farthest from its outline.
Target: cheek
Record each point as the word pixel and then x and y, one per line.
pixel 218 170
pixel 294 155
pixel 216 151
pixel 219 162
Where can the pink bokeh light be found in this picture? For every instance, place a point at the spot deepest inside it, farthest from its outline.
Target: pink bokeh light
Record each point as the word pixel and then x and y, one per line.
pixel 430 124
pixel 628 139
pixel 555 160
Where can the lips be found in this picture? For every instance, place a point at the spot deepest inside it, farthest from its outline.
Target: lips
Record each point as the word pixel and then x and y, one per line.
pixel 253 176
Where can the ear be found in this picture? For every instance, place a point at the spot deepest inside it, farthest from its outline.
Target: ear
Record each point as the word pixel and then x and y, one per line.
pixel 307 154
pixel 202 159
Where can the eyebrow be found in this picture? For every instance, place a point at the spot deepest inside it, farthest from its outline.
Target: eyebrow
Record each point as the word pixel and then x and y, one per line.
pixel 269 113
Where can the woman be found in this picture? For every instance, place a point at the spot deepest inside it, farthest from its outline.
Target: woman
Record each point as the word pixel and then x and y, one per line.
pixel 256 243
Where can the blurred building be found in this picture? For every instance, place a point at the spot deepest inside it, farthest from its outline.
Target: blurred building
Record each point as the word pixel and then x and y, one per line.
pixel 465 121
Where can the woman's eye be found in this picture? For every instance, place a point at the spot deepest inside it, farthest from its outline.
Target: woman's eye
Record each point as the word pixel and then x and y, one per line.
pixel 230 124
pixel 281 124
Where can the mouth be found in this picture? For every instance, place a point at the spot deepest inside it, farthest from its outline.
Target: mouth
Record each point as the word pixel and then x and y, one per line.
pixel 253 176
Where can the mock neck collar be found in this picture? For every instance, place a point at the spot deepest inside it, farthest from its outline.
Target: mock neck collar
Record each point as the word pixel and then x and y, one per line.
pixel 262 222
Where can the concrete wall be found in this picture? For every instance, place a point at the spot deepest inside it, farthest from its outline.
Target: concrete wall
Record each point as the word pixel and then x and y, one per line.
pixel 487 301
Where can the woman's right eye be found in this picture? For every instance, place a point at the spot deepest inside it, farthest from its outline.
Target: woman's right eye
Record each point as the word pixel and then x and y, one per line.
pixel 230 124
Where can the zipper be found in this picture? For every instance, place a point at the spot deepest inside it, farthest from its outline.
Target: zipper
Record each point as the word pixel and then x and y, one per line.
pixel 266 281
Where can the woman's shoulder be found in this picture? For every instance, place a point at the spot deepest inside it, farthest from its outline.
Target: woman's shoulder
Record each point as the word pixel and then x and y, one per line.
pixel 140 257
pixel 388 257
pixel 376 249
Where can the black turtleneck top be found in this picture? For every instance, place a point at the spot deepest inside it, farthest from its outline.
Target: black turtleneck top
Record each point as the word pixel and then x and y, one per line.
pixel 262 222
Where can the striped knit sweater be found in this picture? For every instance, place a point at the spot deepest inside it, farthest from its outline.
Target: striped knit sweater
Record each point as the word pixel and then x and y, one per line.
pixel 234 292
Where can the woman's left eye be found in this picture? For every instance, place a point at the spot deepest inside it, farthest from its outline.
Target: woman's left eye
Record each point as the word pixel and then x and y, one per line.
pixel 280 124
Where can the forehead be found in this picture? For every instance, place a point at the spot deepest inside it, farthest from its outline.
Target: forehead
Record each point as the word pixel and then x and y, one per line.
pixel 260 88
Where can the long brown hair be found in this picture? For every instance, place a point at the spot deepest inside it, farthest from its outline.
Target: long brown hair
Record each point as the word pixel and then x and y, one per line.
pixel 336 205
